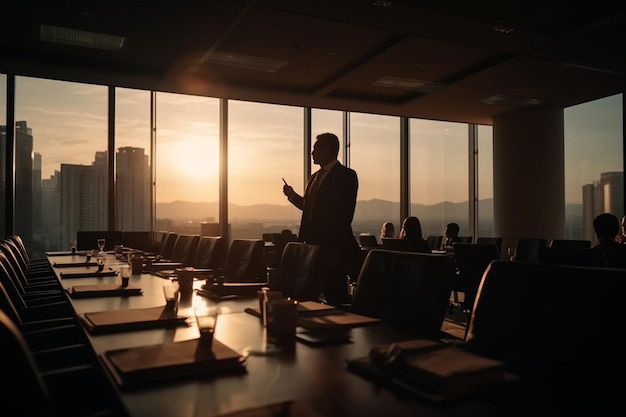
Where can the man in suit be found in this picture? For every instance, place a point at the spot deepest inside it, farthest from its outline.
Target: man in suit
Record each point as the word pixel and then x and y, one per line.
pixel 327 211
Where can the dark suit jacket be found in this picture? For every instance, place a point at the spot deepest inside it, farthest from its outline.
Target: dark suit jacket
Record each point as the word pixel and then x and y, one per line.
pixel 327 221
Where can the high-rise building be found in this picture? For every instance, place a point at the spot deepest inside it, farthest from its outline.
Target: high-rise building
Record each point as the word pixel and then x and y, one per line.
pixel 603 196
pixel 24 180
pixel 132 189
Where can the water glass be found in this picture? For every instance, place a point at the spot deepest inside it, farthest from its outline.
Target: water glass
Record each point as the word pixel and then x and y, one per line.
pixel 206 319
pixel 73 246
pixel 171 294
pixel 125 273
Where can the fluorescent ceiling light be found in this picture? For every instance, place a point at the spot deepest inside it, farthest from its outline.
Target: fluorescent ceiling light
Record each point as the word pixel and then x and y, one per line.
pixel 507 99
pixel 74 37
pixel 407 84
pixel 233 59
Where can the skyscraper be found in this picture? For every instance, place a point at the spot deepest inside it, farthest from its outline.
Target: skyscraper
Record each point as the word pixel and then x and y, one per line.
pixel 24 181
pixel 132 189
pixel 603 196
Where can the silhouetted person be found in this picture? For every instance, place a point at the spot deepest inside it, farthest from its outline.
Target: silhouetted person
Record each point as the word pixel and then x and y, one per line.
pixel 450 235
pixel 412 233
pixel 327 211
pixel 387 230
pixel 607 228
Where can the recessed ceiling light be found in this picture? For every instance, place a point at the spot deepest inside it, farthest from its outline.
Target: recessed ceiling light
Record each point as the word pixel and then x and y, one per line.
pixel 407 84
pixel 74 37
pixel 234 59
pixel 502 29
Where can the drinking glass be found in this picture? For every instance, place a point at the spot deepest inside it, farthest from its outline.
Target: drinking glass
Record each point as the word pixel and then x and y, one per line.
pixel 101 243
pixel 206 319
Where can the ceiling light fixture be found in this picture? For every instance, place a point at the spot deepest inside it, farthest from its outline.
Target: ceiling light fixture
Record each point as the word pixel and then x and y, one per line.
pixel 407 84
pixel 234 59
pixel 502 29
pixel 81 38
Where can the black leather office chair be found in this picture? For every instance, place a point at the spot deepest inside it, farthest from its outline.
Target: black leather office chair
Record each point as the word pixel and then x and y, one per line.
pixel 434 242
pixel 496 241
pixel 245 261
pixel 406 290
pixel 23 390
pixel 572 256
pixel 555 326
pixel 368 241
pixel 471 262
pixel 526 249
pixel 210 253
pixel 301 272
pixel 570 243
pixel 88 239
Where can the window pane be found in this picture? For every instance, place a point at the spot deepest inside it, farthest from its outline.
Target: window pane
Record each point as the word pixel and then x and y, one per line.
pixel 485 181
pixel 132 160
pixel 264 145
pixel 323 121
pixel 187 164
pixel 61 154
pixel 375 156
pixel 594 166
pixel 439 175
pixel 3 147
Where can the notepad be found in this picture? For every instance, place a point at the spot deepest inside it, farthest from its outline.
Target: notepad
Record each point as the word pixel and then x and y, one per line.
pixel 433 370
pixel 74 264
pixel 95 274
pixel 112 290
pixel 155 363
pixel 132 319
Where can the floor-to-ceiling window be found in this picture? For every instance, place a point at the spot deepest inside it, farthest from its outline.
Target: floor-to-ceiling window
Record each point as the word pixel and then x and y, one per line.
pixel 485 182
pixel 439 170
pixel 594 166
pixel 3 158
pixel 323 121
pixel 60 161
pixel 265 144
pixel 132 160
pixel 187 164
pixel 375 156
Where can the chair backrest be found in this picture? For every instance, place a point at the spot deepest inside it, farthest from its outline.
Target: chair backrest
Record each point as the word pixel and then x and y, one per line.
pixel 19 243
pixel 138 240
pixel 403 245
pixel 166 247
pixel 434 242
pixel 23 390
pixel 88 239
pixel 526 249
pixel 465 239
pixel 210 253
pixel 496 241
pixel 184 249
pixel 472 261
pixel 368 241
pixel 554 324
pixel 570 243
pixel 572 256
pixel 301 272
pixel 245 261
pixel 406 290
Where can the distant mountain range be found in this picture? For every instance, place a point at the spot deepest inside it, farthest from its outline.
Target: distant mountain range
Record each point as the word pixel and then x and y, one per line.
pixel 367 210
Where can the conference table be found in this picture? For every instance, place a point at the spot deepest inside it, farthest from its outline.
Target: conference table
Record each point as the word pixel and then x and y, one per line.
pixel 314 380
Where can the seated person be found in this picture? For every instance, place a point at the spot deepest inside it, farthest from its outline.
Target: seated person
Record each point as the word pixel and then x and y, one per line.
pixel 607 227
pixel 621 238
pixel 387 230
pixel 451 235
pixel 412 232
